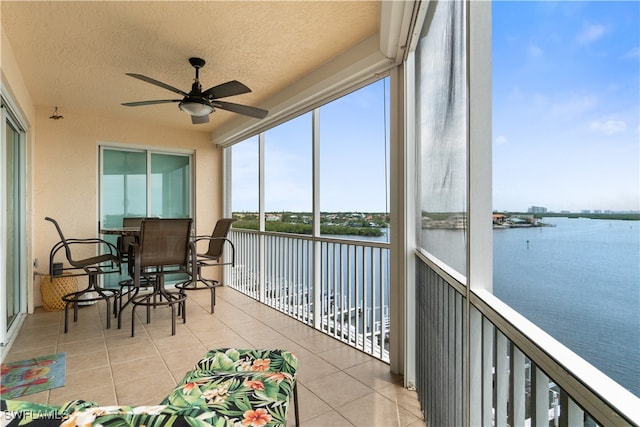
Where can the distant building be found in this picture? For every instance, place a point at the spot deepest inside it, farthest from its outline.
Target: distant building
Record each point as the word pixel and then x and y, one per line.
pixel 537 209
pixel 499 219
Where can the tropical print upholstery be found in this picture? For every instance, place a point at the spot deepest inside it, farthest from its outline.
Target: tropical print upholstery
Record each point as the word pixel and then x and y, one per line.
pixel 249 387
pixel 231 359
pixel 227 388
pixel 253 398
pixel 81 413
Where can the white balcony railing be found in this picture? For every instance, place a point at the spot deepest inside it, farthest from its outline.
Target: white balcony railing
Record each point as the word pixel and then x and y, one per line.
pixel 340 287
pixel 481 361
pixel 478 362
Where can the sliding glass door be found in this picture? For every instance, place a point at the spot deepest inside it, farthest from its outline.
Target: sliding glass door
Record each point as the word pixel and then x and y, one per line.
pixel 123 186
pixel 12 225
pixel 170 189
pixel 143 183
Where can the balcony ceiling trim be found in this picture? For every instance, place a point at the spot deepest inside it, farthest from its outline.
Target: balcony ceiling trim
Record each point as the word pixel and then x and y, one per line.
pixel 396 22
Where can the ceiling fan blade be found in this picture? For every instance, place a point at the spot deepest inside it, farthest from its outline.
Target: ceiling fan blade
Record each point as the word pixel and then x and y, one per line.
pixel 241 109
pixel 158 101
pixel 223 90
pixel 196 120
pixel 157 83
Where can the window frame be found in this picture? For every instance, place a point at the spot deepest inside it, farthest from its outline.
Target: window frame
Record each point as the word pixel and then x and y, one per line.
pixel 149 151
pixel 9 114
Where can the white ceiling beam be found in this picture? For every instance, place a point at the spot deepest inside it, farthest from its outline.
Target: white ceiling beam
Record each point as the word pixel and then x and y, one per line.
pixel 395 26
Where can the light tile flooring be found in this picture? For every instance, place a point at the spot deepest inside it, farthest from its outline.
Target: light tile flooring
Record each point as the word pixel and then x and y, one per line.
pixel 338 385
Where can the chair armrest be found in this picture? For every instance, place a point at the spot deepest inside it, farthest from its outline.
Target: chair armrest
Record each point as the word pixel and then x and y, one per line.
pixel 198 238
pixel 112 250
pixel 204 257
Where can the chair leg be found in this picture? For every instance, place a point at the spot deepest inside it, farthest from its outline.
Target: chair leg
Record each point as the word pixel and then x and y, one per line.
pixel 75 310
pixel 133 320
pixel 295 403
pixel 116 304
pixel 66 316
pixel 135 293
pixel 173 319
pixel 108 312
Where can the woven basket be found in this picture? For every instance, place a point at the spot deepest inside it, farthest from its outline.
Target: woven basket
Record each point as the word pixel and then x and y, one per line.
pixel 52 291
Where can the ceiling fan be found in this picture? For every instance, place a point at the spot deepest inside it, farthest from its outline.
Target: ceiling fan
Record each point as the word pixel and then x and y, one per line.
pixel 200 104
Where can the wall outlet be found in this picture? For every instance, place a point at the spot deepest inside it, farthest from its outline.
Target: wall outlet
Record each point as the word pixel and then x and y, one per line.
pixel 35 263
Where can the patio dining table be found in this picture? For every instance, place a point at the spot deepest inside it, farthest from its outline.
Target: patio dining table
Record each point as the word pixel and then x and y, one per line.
pixel 121 231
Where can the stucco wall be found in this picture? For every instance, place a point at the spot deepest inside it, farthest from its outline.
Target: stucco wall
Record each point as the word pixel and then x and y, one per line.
pixel 62 169
pixel 65 175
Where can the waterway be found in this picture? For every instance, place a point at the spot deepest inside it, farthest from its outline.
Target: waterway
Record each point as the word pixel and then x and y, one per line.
pixel 580 282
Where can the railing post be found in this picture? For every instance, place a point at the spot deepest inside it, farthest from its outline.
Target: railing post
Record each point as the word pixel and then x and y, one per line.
pixel 517 382
pixel 476 363
pixel 488 335
pixel 539 397
pixel 261 268
pixel 317 281
pixel 501 379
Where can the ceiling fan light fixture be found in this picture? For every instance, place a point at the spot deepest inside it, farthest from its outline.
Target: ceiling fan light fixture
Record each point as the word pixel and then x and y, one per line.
pixel 196 108
pixel 55 115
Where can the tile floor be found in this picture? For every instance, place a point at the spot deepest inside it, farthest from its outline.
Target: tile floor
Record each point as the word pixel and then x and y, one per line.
pixel 338 385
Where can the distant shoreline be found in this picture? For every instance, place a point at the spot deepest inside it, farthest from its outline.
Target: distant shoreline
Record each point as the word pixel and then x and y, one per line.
pixel 617 216
pixel 372 224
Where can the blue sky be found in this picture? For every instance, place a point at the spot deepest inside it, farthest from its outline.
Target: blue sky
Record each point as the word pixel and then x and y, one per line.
pixel 352 159
pixel 565 109
pixel 566 131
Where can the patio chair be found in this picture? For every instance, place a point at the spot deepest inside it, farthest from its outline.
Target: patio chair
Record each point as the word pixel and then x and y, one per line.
pixel 124 240
pixel 213 257
pixel 163 249
pixel 92 267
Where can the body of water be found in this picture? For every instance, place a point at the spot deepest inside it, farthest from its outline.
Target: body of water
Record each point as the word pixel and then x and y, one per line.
pixel 580 282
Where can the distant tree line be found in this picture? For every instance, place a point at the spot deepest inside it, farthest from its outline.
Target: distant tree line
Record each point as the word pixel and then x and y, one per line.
pixel 341 223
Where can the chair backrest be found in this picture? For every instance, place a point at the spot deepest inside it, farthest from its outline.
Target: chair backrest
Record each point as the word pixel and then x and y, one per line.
pixel 165 241
pixel 220 231
pixel 124 241
pixel 67 250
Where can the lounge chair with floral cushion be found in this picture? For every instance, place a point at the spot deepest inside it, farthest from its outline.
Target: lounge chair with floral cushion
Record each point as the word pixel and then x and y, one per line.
pixel 253 386
pixel 83 413
pixel 227 388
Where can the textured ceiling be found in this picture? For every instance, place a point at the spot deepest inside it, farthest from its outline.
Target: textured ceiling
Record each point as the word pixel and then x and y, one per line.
pixel 75 54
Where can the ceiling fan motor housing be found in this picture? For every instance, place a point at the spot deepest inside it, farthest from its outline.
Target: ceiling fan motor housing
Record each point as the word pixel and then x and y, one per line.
pixel 197 62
